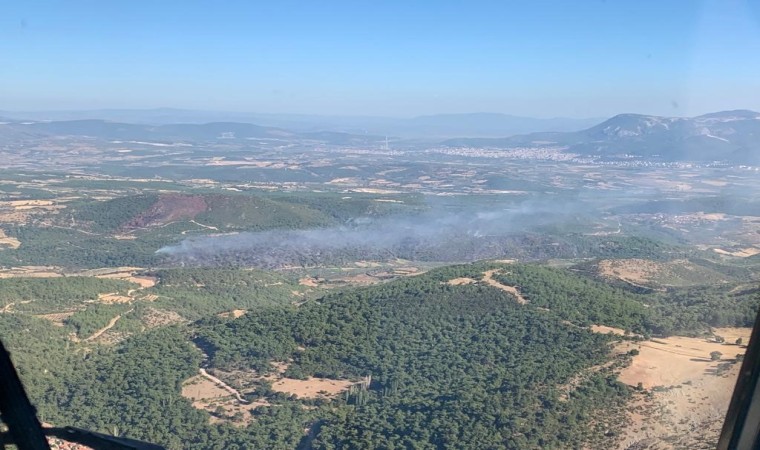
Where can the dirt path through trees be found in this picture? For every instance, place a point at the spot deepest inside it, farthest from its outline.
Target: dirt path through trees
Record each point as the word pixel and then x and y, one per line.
pixel 110 325
pixel 488 279
pixel 223 385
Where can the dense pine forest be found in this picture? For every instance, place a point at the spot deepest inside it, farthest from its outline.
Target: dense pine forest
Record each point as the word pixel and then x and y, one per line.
pixel 433 364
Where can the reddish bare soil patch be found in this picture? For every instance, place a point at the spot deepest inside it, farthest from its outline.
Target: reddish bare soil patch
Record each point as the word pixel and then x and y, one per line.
pixel 168 208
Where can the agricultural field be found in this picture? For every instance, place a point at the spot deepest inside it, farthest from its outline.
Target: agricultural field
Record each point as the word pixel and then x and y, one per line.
pixel 336 298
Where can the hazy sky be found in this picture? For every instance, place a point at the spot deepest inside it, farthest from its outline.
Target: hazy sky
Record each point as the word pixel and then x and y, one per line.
pixel 541 58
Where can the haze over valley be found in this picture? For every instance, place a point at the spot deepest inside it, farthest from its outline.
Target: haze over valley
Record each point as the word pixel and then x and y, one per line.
pixel 285 277
pixel 378 225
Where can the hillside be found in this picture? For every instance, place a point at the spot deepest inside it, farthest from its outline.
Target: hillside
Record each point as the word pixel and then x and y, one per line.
pixel 128 230
pixel 429 126
pixel 502 355
pixel 731 136
pixel 15 130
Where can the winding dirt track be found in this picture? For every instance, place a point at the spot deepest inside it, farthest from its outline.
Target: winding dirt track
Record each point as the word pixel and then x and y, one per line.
pixel 110 325
pixel 223 385
pixel 488 279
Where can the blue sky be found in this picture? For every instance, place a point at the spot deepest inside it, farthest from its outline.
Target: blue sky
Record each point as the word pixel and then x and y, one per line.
pixel 401 58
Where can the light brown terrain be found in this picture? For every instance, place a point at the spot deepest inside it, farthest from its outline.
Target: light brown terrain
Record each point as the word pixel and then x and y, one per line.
pixel 308 281
pixel 311 387
pixel 235 313
pixel 213 394
pixel 742 253
pixel 603 329
pixel 634 271
pixel 158 317
pixel 57 318
pixel 129 274
pixel 168 208
pixel 7 241
pixel 110 298
pixel 20 211
pixel 209 396
pixel 110 325
pixel 489 280
pixel 31 272
pixel 461 281
pixel 685 397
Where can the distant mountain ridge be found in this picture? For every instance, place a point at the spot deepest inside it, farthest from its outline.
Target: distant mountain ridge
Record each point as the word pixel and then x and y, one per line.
pixel 437 126
pixel 726 136
pixel 732 136
pixel 102 129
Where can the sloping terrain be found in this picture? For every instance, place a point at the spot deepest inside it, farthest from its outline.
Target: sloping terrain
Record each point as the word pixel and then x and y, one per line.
pixel 15 131
pixel 723 136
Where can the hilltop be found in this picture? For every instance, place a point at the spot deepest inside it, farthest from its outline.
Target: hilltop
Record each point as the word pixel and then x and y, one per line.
pixel 730 136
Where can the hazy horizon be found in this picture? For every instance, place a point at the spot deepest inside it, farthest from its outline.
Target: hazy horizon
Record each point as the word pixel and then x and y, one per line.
pixel 170 109
pixel 394 59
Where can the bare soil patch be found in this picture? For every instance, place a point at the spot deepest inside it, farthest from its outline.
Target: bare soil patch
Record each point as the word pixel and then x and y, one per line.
pixel 634 271
pixel 112 337
pixel 687 395
pixel 461 281
pixel 731 334
pixel 365 264
pixel 129 274
pixel 235 313
pixel 158 317
pixel 113 297
pixel 57 319
pixel 17 203
pixel 31 272
pixel 742 253
pixel 7 241
pixel 168 208
pixel 603 329
pixel 125 237
pixel 17 217
pixel 311 387
pixel 488 279
pixel 308 281
pixel 224 407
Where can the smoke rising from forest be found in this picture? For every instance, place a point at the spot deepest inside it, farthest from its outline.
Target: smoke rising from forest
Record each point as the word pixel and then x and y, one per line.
pixel 437 234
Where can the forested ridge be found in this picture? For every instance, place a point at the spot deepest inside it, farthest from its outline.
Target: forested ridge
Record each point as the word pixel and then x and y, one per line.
pixel 451 366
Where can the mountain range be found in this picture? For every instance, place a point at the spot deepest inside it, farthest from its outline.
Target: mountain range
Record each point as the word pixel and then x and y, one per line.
pixel 732 136
pixel 439 126
pixel 11 129
pixel 727 136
